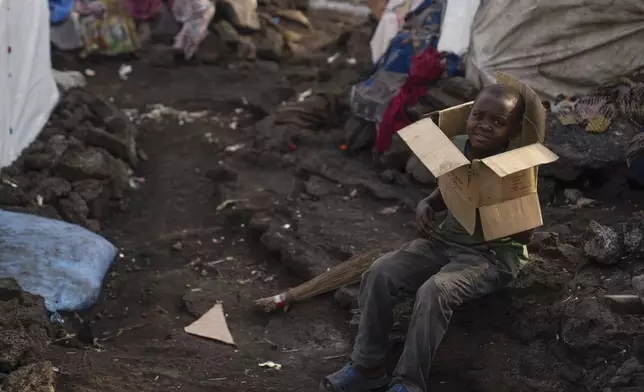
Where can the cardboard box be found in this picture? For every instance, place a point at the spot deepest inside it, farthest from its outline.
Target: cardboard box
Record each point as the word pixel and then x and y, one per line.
pixel 503 187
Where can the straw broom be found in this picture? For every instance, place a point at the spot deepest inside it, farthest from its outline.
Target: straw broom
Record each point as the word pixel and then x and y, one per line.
pixel 346 273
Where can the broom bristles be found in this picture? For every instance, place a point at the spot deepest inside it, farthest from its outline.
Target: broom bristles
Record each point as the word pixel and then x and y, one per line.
pixel 343 274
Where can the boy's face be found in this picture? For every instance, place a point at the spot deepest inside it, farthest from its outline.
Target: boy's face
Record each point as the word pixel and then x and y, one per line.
pixel 491 122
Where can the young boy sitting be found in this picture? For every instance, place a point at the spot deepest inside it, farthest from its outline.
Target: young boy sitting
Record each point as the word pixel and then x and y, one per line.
pixel 444 268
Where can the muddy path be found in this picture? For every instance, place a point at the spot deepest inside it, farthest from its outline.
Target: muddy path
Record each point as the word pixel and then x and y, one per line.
pixel 296 213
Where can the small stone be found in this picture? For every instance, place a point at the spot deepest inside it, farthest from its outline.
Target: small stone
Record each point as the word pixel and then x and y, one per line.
pixel 74 209
pixel 86 164
pixel 316 187
pixel 52 188
pixel 602 244
pixel 95 194
pixel 177 247
pixel 542 239
pixel 347 297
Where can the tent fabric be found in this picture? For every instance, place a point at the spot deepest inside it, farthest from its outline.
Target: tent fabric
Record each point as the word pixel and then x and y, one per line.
pixel 556 47
pixel 28 92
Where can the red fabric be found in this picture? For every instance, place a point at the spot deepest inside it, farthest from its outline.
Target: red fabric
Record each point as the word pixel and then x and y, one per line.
pixel 426 67
pixel 144 9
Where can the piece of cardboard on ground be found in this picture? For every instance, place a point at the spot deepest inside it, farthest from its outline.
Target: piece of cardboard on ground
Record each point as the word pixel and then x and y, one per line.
pixel 503 187
pixel 212 325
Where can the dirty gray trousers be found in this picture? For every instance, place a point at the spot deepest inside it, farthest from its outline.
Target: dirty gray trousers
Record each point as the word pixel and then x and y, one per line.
pixel 442 277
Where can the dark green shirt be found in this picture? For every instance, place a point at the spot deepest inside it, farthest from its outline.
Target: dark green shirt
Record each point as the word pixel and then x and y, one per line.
pixel 506 249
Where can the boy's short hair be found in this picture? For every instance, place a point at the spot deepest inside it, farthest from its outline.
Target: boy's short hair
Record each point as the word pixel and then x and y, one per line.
pixel 510 93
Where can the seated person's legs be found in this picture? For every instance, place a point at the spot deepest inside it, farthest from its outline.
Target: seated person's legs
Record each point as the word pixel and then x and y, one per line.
pixel 391 277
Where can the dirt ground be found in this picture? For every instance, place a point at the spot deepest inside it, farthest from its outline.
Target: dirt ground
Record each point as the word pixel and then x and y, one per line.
pixel 549 332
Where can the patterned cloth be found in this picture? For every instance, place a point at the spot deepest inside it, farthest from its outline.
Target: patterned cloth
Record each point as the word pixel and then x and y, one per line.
pixel 144 9
pixel 195 16
pixel 370 98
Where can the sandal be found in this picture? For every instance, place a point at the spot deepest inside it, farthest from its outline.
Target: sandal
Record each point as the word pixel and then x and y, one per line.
pixel 349 379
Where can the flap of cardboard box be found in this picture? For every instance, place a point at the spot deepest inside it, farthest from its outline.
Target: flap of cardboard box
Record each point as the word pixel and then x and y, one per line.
pixel 434 149
pixel 510 217
pixel 522 158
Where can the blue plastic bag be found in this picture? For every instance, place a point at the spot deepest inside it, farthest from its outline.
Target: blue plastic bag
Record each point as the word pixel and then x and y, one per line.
pixel 63 263
pixel 59 10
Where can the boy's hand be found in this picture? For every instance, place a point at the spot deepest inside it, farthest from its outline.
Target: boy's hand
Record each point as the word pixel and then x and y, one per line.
pixel 424 219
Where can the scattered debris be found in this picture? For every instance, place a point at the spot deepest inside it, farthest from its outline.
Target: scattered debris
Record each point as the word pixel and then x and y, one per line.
pixel 576 199
pixel 226 203
pixel 121 331
pixel 235 147
pixel 124 71
pixel 271 365
pixel 302 96
pixel 389 210
pixel 158 111
pixel 332 59
pixel 335 357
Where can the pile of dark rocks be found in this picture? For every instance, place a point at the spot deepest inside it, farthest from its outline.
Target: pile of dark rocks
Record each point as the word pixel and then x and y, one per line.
pixel 79 168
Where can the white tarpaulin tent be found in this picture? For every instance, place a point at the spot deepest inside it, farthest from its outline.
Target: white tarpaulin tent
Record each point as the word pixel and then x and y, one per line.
pixel 564 46
pixel 27 89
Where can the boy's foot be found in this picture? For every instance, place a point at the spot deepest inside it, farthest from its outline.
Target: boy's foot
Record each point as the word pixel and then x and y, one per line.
pixel 350 379
pixel 398 388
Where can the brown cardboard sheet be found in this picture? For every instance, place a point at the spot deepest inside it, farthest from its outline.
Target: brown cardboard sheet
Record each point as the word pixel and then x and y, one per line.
pixel 212 325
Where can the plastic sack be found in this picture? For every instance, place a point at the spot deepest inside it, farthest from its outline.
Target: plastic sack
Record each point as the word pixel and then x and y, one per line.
pixel 457 26
pixel 63 263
